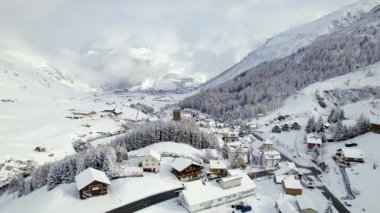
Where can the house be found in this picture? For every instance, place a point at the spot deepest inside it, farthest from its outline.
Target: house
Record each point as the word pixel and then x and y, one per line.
pixel 286 169
pixel 92 182
pixel 238 148
pixel 151 162
pixel 199 195
pixel 263 154
pixel 218 167
pixel 305 205
pixel 313 140
pixel 267 145
pixel 350 154
pixel 291 185
pixel 186 170
pixel 270 158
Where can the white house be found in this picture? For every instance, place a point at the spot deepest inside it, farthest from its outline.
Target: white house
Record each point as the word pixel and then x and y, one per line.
pixel 199 195
pixel 285 169
pixel 270 158
pixel 263 154
pixel 306 205
pixel 151 162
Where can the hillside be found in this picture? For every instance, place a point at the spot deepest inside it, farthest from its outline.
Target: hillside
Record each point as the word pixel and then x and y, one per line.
pixel 263 88
pixel 290 41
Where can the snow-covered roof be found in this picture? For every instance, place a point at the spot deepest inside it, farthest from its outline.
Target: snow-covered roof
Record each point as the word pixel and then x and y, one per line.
pixel 233 172
pixel 230 178
pixel 304 203
pixel 269 142
pixel 196 192
pixel 352 152
pixel 180 164
pixel 218 164
pixel 156 155
pixel 272 154
pixel 90 175
pixel 285 207
pixel 291 183
pixel 313 139
pixel 285 169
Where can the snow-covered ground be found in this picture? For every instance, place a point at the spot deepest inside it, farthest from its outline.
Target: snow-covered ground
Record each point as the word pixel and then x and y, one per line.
pixel 65 198
pixel 264 201
pixel 303 105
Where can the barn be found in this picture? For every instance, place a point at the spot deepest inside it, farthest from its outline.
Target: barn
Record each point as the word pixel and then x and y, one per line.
pixel 92 182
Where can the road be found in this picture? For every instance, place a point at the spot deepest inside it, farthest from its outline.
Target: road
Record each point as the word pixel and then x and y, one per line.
pixel 148 201
pixel 347 184
pixel 315 172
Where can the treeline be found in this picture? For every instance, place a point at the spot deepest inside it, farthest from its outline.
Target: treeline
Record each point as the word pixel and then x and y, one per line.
pixel 184 131
pixel 337 130
pixel 105 157
pixel 64 171
pixel 264 87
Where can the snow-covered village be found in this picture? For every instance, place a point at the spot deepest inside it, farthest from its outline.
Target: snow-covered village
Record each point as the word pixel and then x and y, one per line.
pixel 179 107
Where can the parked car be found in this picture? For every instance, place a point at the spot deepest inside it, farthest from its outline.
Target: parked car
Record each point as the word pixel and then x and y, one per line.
pixel 310 185
pixel 246 208
pixel 350 144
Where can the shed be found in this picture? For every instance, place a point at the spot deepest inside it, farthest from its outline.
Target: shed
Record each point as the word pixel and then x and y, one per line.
pixel 92 182
pixel 292 186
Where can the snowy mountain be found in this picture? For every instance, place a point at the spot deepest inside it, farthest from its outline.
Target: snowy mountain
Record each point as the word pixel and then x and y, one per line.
pixel 263 88
pixel 172 82
pixel 22 74
pixel 290 41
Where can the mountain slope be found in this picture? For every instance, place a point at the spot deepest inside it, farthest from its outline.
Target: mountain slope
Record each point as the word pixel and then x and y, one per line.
pixel 288 42
pixel 264 87
pixel 21 74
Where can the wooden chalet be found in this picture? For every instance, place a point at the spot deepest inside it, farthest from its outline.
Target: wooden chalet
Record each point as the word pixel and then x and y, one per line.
pixel 92 182
pixel 186 170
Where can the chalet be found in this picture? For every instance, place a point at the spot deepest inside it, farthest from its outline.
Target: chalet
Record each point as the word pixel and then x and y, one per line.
pixel 350 154
pixel 305 205
pixel 199 195
pixel 286 169
pixel 186 170
pixel 313 140
pixel 375 128
pixel 92 182
pixel 291 185
pixel 218 167
pixel 151 162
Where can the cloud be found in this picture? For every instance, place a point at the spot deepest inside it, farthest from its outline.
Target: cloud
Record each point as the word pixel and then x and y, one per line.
pixel 137 41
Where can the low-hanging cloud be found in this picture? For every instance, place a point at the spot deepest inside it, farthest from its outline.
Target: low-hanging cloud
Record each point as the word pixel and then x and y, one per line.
pixel 139 41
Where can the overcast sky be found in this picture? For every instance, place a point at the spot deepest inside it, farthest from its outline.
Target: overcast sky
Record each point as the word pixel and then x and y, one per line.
pixel 136 40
